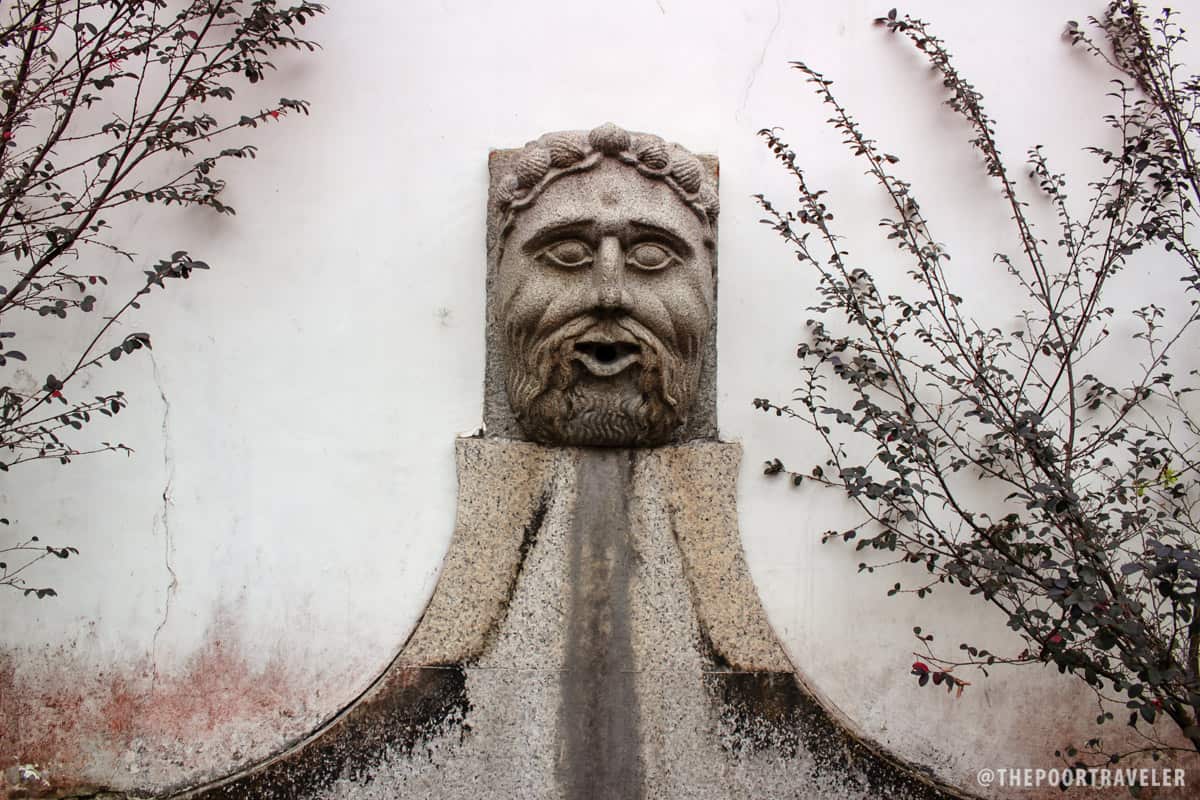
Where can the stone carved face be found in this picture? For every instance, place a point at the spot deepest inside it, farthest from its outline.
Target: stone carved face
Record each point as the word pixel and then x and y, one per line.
pixel 605 288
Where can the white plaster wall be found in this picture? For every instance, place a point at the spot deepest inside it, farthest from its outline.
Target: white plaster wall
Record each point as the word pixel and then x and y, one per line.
pixel 292 491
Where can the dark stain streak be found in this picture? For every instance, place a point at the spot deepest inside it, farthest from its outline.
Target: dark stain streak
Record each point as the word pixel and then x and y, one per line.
pixel 762 710
pixel 714 658
pixel 771 710
pixel 529 538
pixel 600 758
pixel 415 705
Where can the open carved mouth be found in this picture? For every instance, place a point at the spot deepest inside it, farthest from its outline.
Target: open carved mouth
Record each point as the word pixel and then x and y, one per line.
pixel 604 357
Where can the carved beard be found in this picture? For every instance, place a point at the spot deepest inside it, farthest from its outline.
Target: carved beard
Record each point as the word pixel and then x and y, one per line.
pixel 558 400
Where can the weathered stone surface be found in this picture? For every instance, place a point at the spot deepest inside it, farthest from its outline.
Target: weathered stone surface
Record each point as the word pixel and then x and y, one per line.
pixel 601 291
pixel 699 486
pixel 484 554
pixel 621 653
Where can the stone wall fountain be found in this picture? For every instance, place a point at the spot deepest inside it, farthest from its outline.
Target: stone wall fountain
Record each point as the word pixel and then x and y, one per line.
pixel 595 633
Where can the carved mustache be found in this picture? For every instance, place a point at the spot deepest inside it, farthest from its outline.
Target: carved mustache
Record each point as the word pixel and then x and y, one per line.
pixel 603 346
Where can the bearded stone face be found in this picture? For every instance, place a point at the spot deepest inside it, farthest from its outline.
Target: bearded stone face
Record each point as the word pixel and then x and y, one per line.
pixel 605 289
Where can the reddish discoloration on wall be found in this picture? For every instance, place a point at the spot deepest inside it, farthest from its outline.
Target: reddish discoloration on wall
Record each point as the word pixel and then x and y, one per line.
pixel 132 727
pixel 216 686
pixel 38 724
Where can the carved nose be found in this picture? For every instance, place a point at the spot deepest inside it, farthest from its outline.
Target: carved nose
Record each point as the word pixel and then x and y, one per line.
pixel 610 273
pixel 610 297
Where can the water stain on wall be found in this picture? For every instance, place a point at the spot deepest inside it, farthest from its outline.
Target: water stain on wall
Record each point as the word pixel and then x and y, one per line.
pixel 68 719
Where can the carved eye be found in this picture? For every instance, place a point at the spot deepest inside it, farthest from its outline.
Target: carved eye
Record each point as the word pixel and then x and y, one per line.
pixel 650 256
pixel 571 254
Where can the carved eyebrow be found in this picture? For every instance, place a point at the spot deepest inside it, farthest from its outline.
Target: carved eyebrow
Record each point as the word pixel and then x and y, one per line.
pixel 670 236
pixel 576 227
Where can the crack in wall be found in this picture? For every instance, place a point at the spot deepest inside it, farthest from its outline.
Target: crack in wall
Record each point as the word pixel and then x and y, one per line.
pixel 162 520
pixel 762 55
